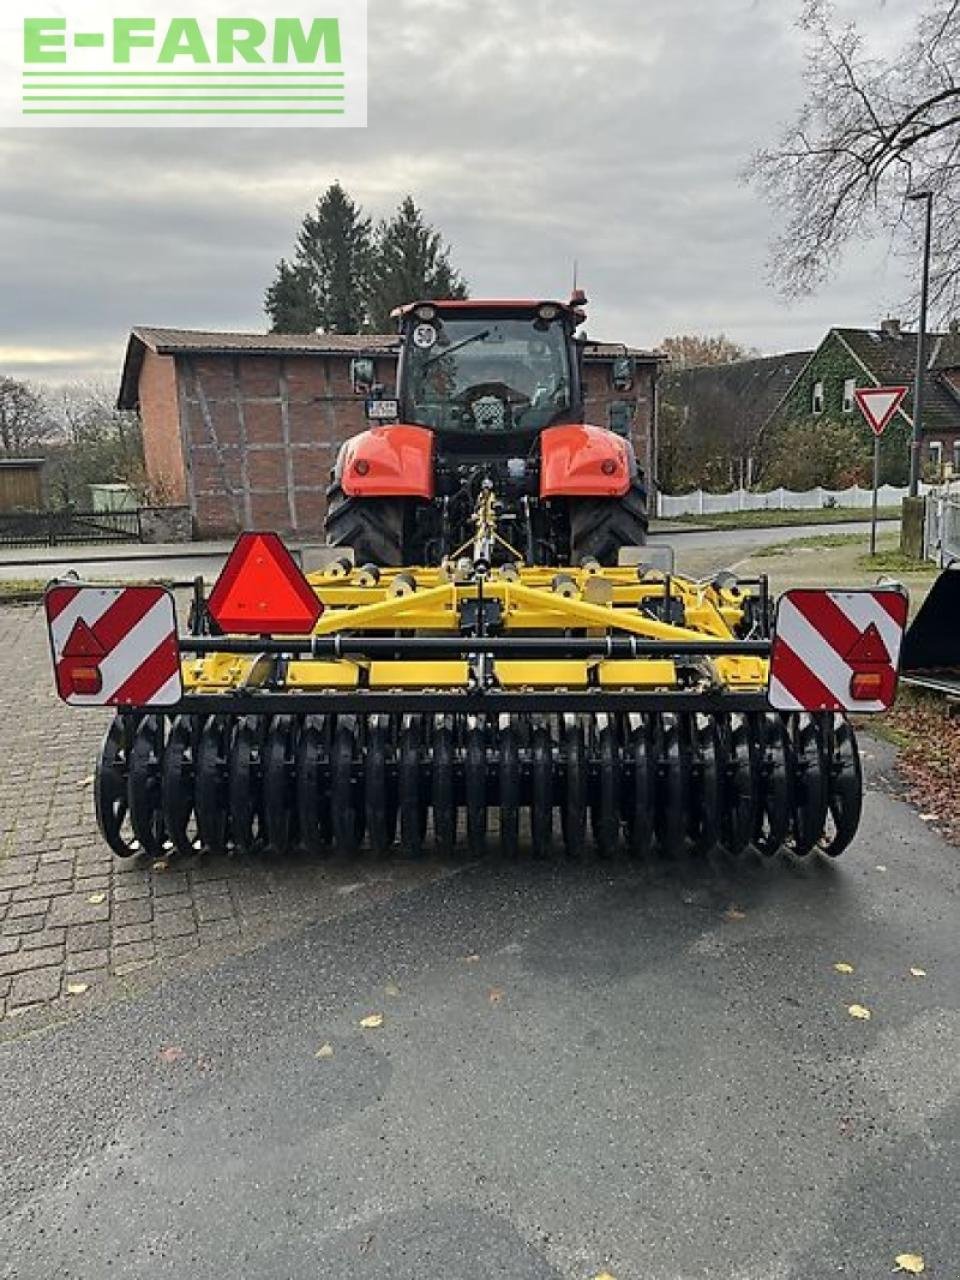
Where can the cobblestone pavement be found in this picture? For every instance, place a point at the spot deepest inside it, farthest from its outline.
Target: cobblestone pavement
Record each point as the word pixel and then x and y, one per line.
pixel 75 920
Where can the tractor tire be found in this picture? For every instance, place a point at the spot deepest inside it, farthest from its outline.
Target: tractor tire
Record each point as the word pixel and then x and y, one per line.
pixel 373 527
pixel 599 527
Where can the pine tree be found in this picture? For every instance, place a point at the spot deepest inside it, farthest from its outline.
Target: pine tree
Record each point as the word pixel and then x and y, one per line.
pixel 411 261
pixel 290 302
pixel 326 287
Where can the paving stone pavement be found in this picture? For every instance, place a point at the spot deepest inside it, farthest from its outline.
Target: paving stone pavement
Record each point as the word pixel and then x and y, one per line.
pixel 74 919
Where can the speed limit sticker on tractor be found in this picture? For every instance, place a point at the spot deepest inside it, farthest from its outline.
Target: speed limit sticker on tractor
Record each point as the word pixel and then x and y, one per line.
pixel 114 646
pixel 836 650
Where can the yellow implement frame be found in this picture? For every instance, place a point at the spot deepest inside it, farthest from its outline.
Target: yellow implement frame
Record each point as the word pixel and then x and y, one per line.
pixel 551 603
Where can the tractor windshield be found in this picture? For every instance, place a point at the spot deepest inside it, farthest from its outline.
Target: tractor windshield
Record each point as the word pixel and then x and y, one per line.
pixel 495 374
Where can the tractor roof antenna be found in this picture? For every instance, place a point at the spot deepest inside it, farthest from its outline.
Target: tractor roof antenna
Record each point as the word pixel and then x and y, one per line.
pixel 577 296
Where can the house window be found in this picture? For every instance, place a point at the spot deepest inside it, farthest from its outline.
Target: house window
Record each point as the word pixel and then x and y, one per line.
pixel 936 454
pixel 817 403
pixel 956 457
pixel 849 387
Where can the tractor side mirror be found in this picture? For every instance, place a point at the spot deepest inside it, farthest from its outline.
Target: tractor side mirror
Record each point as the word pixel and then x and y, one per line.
pixel 622 373
pixel 363 374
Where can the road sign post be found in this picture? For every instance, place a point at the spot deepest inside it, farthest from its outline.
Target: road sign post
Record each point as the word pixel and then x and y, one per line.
pixel 878 405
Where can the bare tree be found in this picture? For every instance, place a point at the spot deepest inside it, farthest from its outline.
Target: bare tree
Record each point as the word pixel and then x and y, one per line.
pixel 870 131
pixel 688 350
pixel 25 420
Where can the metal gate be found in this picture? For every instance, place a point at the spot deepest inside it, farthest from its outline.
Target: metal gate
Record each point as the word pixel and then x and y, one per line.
pixel 58 528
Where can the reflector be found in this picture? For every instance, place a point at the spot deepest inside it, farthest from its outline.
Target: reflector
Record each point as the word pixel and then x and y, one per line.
pixel 81 677
pixel 261 590
pixel 865 686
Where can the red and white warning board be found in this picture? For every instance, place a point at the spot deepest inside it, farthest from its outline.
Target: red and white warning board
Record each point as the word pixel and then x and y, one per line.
pixel 836 650
pixel 114 646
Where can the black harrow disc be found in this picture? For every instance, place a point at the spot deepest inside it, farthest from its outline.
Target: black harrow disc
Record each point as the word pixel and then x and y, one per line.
pixel 413 799
pixel 111 788
pixel 475 785
pixel 639 789
pixel 707 799
pixel 508 744
pixel 145 790
pixel 345 787
pixel 444 786
pixel 380 786
pixel 314 818
pixel 738 797
pixel 279 785
pixel 212 793
pixel 573 811
pixel 606 786
pixel 246 785
pixel 178 784
pixel 772 778
pixel 811 784
pixel 670 798
pixel 846 788
pixel 541 789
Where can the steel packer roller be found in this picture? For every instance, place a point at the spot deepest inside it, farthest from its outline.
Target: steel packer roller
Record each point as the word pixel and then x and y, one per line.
pixel 470 705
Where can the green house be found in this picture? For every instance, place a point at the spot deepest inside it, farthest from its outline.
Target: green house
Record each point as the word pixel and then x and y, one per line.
pixel 848 359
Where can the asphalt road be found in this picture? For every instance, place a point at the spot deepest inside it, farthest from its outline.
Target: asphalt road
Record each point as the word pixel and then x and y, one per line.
pixel 579 1070
pixel 729 545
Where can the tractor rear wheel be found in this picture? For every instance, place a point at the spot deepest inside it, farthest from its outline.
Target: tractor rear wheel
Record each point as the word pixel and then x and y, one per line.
pixel 599 527
pixel 374 527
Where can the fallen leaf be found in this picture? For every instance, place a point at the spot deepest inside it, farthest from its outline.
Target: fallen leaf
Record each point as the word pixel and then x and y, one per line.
pixel 471 959
pixel 325 1051
pixel 372 1021
pixel 912 1263
pixel 77 988
pixel 495 995
pixel 97 898
pixel 85 782
pixel 161 864
pixel 842 967
pixel 604 1275
pixel 172 1053
pixel 846 1127
pixel 859 1011
pixel 391 989
pixel 734 913
pixel 917 972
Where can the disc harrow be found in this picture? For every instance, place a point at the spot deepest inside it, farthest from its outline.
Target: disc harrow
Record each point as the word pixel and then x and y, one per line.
pixel 641 784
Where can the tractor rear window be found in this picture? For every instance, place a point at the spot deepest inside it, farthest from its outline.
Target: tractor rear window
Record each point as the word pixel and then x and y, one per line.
pixel 486 375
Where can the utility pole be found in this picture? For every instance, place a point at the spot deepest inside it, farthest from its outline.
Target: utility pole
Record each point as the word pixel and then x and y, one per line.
pixel 916 442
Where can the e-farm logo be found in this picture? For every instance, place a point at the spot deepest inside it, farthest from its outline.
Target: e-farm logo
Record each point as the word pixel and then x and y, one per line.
pixel 103 62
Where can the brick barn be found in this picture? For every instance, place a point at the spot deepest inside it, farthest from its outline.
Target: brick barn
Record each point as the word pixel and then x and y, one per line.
pixel 243 428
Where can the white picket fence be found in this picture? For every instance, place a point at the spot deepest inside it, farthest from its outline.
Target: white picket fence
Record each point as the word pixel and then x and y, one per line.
pixel 702 503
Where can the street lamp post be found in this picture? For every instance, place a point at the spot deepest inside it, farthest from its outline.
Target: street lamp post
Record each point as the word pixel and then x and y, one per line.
pixel 915 438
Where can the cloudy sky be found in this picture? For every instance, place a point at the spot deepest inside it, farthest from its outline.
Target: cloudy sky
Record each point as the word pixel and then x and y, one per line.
pixel 532 132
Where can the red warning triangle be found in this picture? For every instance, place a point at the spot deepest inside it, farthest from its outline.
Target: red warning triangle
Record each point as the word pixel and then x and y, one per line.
pixel 262 591
pixel 868 648
pixel 82 643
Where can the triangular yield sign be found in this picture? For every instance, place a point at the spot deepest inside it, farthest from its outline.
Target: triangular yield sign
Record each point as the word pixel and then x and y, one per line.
pixel 82 643
pixel 879 404
pixel 261 590
pixel 868 648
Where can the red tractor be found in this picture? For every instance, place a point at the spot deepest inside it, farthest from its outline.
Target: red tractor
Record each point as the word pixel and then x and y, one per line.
pixel 489 395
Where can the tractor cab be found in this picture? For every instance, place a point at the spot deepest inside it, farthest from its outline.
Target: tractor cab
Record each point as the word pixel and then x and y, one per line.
pixel 498 369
